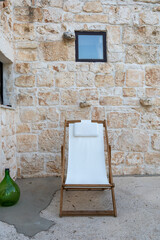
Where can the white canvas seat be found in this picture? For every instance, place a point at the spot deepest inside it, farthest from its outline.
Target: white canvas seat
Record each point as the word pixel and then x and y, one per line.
pixel 86 159
pixel 86 169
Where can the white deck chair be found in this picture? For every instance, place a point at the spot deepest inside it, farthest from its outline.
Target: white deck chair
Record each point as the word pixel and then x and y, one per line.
pixel 86 168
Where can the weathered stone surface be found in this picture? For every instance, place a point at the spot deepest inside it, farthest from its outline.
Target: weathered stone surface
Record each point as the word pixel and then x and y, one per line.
pixel 22 67
pixel 52 114
pixel 142 34
pixel 32 165
pixel 26 143
pixel 134 78
pixel 26 98
pixel 149 18
pixel 119 15
pixel 25 81
pixel 23 31
pixel 147 1
pixel 152 158
pixel 89 95
pixel 110 101
pixel 107 68
pixel 53 15
pixel 45 79
pixel 134 159
pixel 31 115
pixel 85 79
pixel 91 18
pixel 50 141
pixel 123 120
pixel 118 158
pixel 53 164
pixel 94 6
pixel 155 140
pixel 72 6
pixel 73 113
pixel 49 97
pixel 23 128
pixel 28 14
pixel 114 34
pixel 141 54
pixel 69 97
pixel 98 113
pixel 129 92
pixel 104 81
pixel 54 51
pixel 27 55
pixel 65 79
pixel 134 140
pixel 153 76
pixel 119 75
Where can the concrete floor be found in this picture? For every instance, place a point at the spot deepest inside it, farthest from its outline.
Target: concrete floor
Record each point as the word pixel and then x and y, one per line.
pixel 138 205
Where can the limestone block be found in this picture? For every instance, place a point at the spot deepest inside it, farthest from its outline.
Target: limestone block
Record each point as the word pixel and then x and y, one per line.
pixel 141 54
pixel 25 81
pixel 54 51
pixel 73 113
pixel 148 18
pixel 88 95
pixel 155 141
pixel 72 6
pixel 53 15
pixel 147 1
pixel 50 140
pixel 118 158
pixel 22 68
pixel 153 76
pixel 91 18
pixel 119 74
pixel 152 158
pixel 107 68
pixel 23 31
pixel 45 78
pixel 94 6
pixel 129 92
pixel 134 78
pixel 114 34
pixel 123 120
pixel 52 114
pixel 133 140
pixel 23 3
pixel 110 101
pixel 53 164
pixel 25 98
pixel 104 81
pixel 28 115
pixel 85 79
pixel 27 55
pixel 156 9
pixel 56 3
pixel 134 170
pixel 31 165
pixel 28 14
pixel 134 159
pixel 142 34
pixel 120 15
pixel 151 92
pixel 69 97
pixel 23 128
pixel 27 143
pixel 65 79
pixel 49 29
pixel 48 97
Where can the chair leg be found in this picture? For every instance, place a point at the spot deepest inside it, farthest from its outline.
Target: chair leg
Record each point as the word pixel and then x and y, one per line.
pixel 61 202
pixel 114 202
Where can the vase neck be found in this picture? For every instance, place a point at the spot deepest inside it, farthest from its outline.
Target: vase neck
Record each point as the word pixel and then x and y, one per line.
pixel 7 172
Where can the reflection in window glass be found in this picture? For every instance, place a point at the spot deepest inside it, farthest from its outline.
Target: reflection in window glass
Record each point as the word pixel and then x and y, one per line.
pixel 90 47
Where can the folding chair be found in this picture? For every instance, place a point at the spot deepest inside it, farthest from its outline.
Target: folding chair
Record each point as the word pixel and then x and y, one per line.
pixel 86 168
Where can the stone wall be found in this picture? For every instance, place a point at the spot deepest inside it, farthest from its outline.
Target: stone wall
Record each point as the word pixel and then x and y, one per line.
pixel 8 118
pixel 50 84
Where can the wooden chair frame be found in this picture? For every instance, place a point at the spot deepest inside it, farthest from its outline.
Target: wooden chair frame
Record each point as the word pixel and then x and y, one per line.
pixel 84 187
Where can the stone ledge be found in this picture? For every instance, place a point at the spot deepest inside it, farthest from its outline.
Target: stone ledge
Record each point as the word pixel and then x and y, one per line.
pixel 7 107
pixel 6 51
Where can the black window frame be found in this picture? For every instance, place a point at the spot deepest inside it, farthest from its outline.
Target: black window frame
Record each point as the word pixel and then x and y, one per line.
pixel 1 83
pixel 102 33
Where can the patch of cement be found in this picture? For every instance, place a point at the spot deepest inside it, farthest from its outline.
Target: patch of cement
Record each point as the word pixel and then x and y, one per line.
pixel 36 194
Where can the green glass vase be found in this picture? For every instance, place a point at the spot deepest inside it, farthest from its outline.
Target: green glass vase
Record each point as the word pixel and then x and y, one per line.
pixel 9 191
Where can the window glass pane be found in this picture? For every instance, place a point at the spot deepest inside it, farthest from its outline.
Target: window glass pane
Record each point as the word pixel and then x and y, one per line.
pixel 90 46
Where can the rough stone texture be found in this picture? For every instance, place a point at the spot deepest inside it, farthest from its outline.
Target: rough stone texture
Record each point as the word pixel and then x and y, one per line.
pixel 49 85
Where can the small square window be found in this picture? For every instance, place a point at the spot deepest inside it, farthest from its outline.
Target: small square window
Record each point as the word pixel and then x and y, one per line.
pixel 90 47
